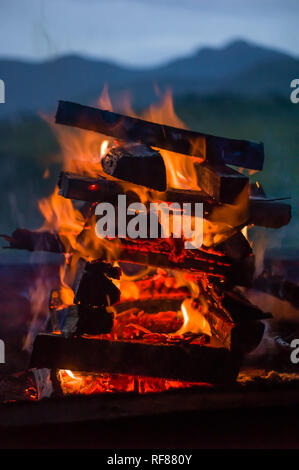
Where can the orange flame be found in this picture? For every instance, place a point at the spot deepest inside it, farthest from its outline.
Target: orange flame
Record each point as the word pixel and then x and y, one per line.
pixel 194 320
pixel 82 152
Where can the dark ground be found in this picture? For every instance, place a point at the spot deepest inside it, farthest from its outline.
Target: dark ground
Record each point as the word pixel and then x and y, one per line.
pixel 258 428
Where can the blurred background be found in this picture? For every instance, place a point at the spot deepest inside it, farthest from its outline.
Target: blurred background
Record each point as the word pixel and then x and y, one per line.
pixel 228 63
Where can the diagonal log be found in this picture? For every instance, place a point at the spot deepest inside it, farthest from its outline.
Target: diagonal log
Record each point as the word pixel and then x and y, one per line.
pixel 211 148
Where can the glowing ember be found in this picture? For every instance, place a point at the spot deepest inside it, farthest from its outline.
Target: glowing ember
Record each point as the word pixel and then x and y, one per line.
pixel 86 384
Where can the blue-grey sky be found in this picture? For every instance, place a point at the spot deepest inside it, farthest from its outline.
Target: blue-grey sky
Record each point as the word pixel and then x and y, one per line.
pixel 142 32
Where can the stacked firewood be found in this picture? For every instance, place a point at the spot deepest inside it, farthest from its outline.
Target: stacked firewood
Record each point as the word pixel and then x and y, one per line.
pixel 235 323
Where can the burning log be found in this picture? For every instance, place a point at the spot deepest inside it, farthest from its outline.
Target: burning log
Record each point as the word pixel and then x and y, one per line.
pixel 211 148
pixel 220 182
pixel 138 164
pixel 151 305
pixel 262 212
pixel 158 253
pixel 84 188
pixel 190 362
pixel 150 252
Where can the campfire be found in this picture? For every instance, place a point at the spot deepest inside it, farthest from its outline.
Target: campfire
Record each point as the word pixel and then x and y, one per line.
pixel 146 314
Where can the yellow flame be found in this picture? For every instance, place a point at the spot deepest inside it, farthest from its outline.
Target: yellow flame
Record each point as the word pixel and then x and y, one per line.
pixel 194 320
pixel 104 148
pixel 69 373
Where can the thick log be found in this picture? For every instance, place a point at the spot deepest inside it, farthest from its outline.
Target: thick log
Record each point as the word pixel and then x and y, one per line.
pixel 153 252
pixel 138 164
pixel 262 212
pixel 190 362
pixel 220 182
pixel 85 188
pixel 211 148
pixel 267 213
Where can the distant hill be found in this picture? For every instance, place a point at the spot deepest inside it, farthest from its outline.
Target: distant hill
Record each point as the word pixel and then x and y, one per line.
pixel 238 68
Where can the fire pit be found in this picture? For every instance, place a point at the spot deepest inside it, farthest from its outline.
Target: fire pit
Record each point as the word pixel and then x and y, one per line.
pixel 142 313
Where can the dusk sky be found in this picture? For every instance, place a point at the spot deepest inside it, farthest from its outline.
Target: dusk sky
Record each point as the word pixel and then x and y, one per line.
pixel 142 32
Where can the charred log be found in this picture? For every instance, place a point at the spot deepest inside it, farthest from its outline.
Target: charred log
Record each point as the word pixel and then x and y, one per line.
pixel 262 212
pixel 85 188
pixel 211 148
pixel 220 182
pixel 190 362
pixel 95 288
pixel 138 164
pixel 95 292
pixel 157 253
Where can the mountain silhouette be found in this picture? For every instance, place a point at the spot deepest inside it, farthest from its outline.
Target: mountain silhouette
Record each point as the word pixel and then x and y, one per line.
pixel 239 68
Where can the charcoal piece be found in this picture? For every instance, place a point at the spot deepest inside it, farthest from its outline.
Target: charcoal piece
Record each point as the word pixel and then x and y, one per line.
pixel 138 164
pixel 86 188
